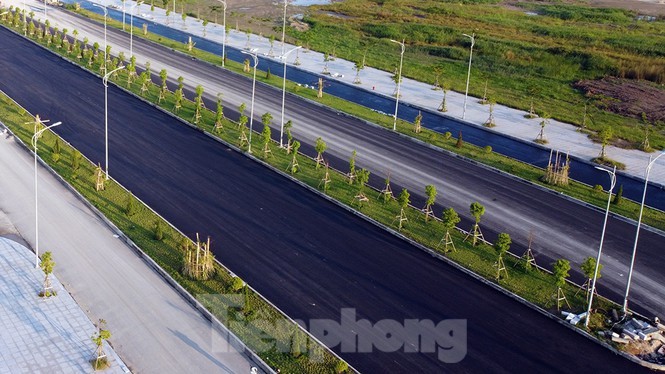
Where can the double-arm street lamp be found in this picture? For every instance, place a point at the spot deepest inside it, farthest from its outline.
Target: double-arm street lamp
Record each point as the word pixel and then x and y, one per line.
pixel 468 74
pixel 652 161
pixel 284 26
pixel 281 127
pixel 105 80
pixel 131 27
pixel 35 139
pixel 613 180
pixel 255 56
pixel 399 81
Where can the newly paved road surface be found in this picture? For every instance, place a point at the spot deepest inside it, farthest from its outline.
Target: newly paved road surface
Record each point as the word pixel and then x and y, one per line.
pixel 562 229
pixel 308 256
pixel 153 328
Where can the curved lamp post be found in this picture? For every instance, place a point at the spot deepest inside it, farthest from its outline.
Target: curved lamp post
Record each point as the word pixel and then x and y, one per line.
pixel 468 74
pixel 284 28
pixel 399 81
pixel 613 181
pixel 637 233
pixel 105 80
pixel 281 126
pixel 35 138
pixel 254 55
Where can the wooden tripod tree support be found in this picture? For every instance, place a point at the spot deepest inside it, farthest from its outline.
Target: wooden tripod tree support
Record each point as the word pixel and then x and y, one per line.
pixel 242 139
pixel 266 150
pixel 528 257
pixel 447 240
pixel 490 121
pixel 320 161
pixel 586 286
pixel 501 267
pixel 557 170
pixel 99 178
pixel 320 93
pixel 387 192
pixel 326 179
pixel 401 219
pixel 484 100
pixel 532 113
pixel 443 107
pixel 293 165
pixel 560 296
pixel 198 260
pixel 475 234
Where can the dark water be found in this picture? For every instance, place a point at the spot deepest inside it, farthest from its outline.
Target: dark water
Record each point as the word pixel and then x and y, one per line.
pixel 522 151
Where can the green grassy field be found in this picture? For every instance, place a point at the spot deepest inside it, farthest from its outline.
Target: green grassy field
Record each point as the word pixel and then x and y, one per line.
pixel 531 50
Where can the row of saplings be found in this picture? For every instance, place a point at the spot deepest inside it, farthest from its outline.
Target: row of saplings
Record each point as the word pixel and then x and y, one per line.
pixel 100 360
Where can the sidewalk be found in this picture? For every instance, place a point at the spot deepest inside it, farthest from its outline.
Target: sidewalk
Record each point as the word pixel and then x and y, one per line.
pixel 561 136
pixel 50 335
pixel 153 328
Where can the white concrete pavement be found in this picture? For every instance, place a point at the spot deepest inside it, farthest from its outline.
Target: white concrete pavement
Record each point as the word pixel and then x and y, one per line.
pixel 51 335
pixel 561 136
pixel 154 329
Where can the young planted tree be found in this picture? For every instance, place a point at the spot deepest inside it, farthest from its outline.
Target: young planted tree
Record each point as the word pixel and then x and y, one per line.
pixel 443 107
pixel 198 103
pixel 293 166
pixel 459 142
pixel 56 153
pixel 158 232
pixel 560 271
pixel 219 115
pixel 76 163
pixel 198 260
pixel 403 200
pixel 205 24
pixel 363 177
pixel 47 264
pixel 605 135
pixel 541 135
pixel 588 268
pixel 491 122
pixel 450 219
pixel 352 167
pixel 386 193
pixel 178 100
pixel 289 137
pixel 619 196
pixel 320 147
pixel 242 126
pixel 358 66
pixel 131 207
pixel 326 58
pixel 430 191
pixel 181 82
pixel 163 75
pixel 477 211
pixel 271 52
pixel 501 246
pixel 417 123
pixel 98 338
pixel 266 133
pixel 144 79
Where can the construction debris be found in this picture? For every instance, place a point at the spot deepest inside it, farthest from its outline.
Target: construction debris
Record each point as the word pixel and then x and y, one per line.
pixel 643 339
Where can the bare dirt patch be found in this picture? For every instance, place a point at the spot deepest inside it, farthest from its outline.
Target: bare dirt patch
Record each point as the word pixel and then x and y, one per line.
pixel 627 97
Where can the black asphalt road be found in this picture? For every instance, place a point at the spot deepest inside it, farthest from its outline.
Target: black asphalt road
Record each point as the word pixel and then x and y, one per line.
pixel 308 256
pixel 562 229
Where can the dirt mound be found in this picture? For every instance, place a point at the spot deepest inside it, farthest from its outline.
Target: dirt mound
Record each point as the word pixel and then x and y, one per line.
pixel 627 97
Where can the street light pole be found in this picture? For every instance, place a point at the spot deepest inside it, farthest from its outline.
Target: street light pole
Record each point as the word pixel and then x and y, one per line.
pixel 284 27
pixel 637 233
pixel 105 16
pixel 254 55
pixel 105 80
pixel 123 14
pixel 468 74
pixel 35 138
pixel 281 127
pixel 399 81
pixel 613 181
pixel 131 27
pixel 224 32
